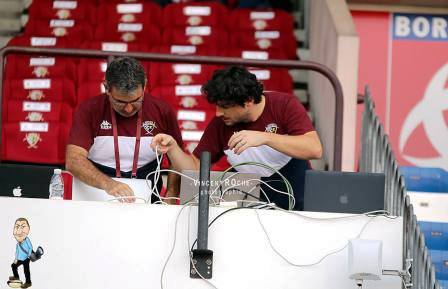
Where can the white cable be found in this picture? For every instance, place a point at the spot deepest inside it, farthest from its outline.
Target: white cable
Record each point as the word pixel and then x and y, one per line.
pixel 321 259
pixel 174 243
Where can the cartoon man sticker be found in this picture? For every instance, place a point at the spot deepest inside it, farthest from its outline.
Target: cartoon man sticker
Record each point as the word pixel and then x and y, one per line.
pixel 24 248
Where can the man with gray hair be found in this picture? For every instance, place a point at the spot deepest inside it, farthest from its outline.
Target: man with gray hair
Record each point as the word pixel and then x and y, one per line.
pixel 111 133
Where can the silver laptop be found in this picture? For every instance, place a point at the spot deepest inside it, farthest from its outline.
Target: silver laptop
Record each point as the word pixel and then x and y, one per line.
pixel 235 187
pixel 83 192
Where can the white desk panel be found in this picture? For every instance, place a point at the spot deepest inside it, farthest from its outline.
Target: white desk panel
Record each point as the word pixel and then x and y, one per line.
pixel 116 246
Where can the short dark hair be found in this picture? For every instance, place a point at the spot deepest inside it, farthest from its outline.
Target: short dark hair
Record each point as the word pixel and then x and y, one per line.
pixel 232 86
pixel 125 74
pixel 22 220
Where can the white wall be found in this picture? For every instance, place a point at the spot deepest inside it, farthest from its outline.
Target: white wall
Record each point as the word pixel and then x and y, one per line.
pixel 334 43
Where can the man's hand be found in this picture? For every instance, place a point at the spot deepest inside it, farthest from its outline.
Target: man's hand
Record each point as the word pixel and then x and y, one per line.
pixel 121 191
pixel 245 139
pixel 163 142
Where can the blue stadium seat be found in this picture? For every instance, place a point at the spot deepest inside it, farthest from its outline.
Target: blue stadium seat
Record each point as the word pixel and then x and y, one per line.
pixel 436 235
pixel 440 260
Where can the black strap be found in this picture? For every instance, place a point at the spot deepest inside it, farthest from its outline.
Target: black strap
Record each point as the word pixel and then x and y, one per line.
pixel 23 249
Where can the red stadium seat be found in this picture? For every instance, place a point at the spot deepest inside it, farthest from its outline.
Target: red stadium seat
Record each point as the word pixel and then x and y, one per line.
pixel 116 46
pixel 185 50
pixel 39 67
pixel 129 32
pixel 196 35
pixel 54 90
pixel 183 97
pixel 38 111
pixel 273 53
pixel 266 40
pixel 274 79
pixel 35 142
pixel 75 30
pixel 195 14
pixel 146 13
pixel 91 70
pixel 164 74
pixel 38 41
pixel 78 10
pixel 247 19
pixel 89 89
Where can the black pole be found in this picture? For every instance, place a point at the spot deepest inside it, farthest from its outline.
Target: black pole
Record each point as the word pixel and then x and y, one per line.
pixel 204 187
pixel 201 265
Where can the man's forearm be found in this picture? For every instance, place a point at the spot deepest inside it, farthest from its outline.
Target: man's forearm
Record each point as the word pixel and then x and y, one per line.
pixel 173 185
pixel 84 170
pixel 181 160
pixel 304 147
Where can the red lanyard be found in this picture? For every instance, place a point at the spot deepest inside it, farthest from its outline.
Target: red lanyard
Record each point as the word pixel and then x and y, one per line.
pixel 137 142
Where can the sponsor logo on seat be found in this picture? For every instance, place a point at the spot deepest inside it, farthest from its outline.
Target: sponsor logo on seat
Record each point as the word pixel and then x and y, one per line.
pixel 196 40
pixel 36 95
pixel 184 79
pixel 194 20
pixel 32 139
pixel 40 71
pixel 188 102
pixel 259 24
pixel 35 116
pixel 128 37
pixel 264 43
pixel 128 18
pixel 60 31
pixel 63 14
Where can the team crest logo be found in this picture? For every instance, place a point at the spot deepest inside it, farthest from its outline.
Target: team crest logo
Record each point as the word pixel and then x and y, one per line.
pixel 184 79
pixel 272 128
pixel 128 18
pixel 40 71
pixel 63 14
pixel 189 125
pixel 32 139
pixel 128 37
pixel 60 31
pixel 196 40
pixel 35 116
pixel 191 146
pixel 194 20
pixel 264 43
pixel 149 126
pixel 259 24
pixel 36 95
pixel 188 102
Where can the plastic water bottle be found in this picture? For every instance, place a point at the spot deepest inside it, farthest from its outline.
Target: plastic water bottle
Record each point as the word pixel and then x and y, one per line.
pixel 56 186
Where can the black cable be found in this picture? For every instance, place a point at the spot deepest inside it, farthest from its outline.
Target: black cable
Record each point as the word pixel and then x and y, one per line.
pixel 217 217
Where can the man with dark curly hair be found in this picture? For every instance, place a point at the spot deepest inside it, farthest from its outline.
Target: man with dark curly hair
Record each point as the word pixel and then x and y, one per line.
pixel 268 127
pixel 111 133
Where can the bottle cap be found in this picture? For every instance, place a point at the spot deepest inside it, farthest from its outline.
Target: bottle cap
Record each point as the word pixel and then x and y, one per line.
pixel 57 171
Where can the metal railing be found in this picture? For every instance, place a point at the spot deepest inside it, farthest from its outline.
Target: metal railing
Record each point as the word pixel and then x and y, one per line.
pixel 157 57
pixel 377 156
